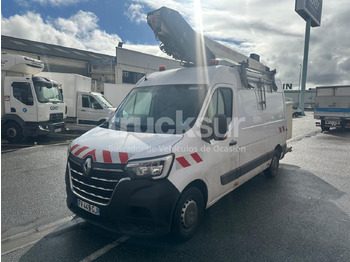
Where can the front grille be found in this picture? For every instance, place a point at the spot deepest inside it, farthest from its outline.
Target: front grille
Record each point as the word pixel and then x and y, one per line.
pixel 99 185
pixel 56 118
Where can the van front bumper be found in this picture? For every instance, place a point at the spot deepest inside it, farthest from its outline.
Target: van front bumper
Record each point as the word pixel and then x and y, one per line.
pixel 141 207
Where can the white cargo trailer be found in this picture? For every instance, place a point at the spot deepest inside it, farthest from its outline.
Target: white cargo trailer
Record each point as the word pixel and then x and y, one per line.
pixel 83 106
pixel 332 107
pixel 115 93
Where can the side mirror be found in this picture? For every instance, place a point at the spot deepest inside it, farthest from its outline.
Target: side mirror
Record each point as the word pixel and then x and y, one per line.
pixel 220 127
pixel 206 131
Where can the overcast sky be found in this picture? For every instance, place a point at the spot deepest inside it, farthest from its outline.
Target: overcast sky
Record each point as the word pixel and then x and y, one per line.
pixel 270 28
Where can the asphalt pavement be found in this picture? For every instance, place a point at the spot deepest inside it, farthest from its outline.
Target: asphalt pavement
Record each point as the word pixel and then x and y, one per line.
pixel 301 215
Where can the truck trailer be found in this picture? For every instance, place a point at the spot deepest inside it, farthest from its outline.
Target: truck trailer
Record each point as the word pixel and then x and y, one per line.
pixel 332 107
pixel 30 105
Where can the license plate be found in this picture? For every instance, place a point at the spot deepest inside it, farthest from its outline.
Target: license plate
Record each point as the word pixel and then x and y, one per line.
pixel 58 130
pixel 88 207
pixel 333 123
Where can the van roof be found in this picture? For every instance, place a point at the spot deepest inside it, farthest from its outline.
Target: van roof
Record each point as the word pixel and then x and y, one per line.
pixel 193 75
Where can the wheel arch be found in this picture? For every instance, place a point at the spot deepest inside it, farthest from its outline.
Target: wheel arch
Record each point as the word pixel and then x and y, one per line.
pixel 12 118
pixel 200 184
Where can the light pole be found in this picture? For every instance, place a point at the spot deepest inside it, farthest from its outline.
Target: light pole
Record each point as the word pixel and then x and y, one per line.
pixel 310 11
pixel 306 57
pixel 299 85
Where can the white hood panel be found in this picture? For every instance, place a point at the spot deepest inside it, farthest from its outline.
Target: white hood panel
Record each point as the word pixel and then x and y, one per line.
pixel 111 146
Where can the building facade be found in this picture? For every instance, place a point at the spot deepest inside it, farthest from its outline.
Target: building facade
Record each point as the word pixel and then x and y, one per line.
pixel 123 69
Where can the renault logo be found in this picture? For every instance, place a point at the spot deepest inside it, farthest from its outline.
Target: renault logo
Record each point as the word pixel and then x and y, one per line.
pixel 87 166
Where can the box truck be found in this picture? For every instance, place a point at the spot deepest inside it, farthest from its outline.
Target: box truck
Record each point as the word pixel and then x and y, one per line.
pixel 30 105
pixel 332 107
pixel 83 106
pixel 181 139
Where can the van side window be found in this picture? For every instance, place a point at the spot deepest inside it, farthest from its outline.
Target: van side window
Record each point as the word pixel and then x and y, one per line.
pixel 23 92
pixel 221 103
pixel 85 101
pixel 90 102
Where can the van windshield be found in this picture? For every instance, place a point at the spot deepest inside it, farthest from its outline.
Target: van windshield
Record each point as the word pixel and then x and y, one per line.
pixel 48 91
pixel 170 109
pixel 104 101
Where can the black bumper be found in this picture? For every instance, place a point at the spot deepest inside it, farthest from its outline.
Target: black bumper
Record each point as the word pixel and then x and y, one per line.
pixel 42 128
pixel 137 207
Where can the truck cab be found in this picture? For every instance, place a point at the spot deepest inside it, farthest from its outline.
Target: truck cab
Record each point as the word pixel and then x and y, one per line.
pixel 92 108
pixel 31 105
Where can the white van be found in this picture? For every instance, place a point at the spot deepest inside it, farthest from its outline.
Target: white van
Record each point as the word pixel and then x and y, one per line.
pixel 180 141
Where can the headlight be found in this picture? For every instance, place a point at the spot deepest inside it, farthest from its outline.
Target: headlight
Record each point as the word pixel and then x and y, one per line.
pixel 155 168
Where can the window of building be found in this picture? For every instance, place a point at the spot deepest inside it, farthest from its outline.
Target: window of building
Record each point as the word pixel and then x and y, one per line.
pixel 131 77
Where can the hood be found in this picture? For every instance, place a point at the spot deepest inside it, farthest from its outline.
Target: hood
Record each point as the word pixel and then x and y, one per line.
pixel 114 146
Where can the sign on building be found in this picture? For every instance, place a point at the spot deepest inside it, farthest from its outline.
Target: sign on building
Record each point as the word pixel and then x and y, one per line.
pixel 310 9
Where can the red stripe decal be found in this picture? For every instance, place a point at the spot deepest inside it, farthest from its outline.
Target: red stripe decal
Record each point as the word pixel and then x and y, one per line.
pixel 73 147
pixel 107 158
pixel 91 153
pixel 123 157
pixel 283 129
pixel 80 150
pixel 280 129
pixel 183 161
pixel 196 157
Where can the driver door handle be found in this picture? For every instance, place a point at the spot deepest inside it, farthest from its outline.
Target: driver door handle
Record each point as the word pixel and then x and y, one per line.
pixel 233 142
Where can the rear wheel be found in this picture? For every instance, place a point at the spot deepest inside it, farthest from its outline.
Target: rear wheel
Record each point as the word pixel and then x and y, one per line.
pixel 272 170
pixel 187 215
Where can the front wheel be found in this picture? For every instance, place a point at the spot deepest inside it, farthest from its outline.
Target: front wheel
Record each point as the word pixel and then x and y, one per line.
pixel 13 132
pixel 272 170
pixel 187 214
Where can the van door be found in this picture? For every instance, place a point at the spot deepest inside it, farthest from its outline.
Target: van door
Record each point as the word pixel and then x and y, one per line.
pixel 22 101
pixel 221 156
pixel 89 110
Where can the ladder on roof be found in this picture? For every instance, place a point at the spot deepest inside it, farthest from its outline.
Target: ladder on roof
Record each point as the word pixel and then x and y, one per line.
pixel 180 41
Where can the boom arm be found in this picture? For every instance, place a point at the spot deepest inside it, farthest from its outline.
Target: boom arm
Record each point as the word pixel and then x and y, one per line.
pixel 178 38
pixel 180 41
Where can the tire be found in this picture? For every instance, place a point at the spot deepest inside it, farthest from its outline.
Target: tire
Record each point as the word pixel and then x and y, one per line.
pixel 272 170
pixel 187 214
pixel 13 132
pixel 323 127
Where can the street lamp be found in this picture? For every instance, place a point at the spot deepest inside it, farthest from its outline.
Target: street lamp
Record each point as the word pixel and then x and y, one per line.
pixel 299 85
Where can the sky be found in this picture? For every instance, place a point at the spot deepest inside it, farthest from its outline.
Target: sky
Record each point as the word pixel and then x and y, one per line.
pixel 270 28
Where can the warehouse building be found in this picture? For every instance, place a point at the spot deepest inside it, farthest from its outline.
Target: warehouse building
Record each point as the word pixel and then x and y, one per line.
pixel 120 71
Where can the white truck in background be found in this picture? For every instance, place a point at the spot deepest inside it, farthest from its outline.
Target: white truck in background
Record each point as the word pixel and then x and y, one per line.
pixel 30 105
pixel 83 106
pixel 332 107
pixel 116 93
